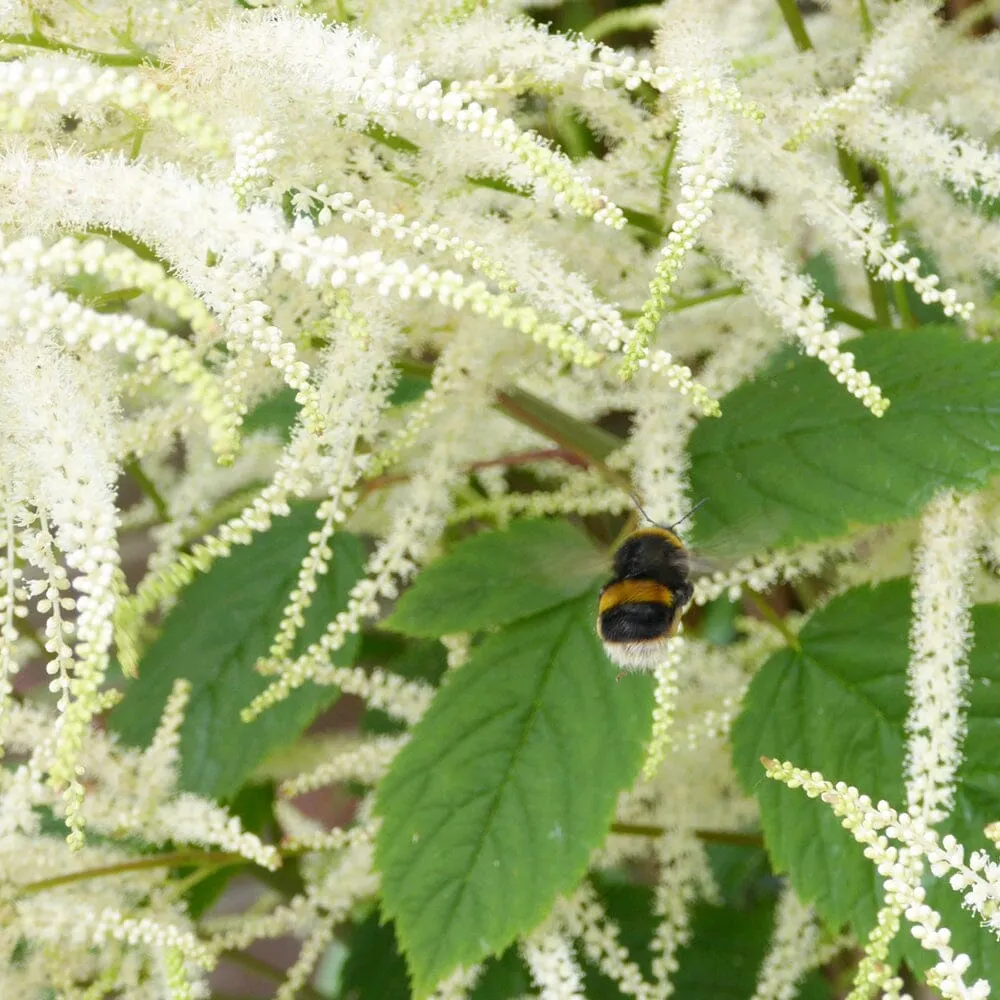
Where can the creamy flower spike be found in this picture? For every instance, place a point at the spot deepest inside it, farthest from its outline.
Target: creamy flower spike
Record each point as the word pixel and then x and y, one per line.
pixel 876 826
pixel 206 207
pixel 940 637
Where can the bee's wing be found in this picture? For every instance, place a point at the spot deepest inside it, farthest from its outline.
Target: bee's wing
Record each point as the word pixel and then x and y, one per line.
pixel 702 565
pixel 743 537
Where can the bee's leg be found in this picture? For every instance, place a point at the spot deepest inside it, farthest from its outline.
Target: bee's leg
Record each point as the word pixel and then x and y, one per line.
pixel 619 676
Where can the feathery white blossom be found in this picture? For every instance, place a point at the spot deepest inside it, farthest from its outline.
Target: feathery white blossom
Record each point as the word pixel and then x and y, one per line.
pixel 873 824
pixel 938 674
pixel 548 954
pixel 793 951
pixel 205 208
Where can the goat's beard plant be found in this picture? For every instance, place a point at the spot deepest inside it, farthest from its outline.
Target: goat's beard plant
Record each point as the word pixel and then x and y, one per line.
pixel 348 290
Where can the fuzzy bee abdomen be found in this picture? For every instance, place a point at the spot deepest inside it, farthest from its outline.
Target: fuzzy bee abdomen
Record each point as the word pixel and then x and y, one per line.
pixel 635 622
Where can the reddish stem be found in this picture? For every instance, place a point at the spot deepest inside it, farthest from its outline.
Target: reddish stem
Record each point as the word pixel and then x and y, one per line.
pixel 518 458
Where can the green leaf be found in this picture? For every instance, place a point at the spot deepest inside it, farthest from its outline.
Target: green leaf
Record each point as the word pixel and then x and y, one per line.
pixel 223 622
pixel 630 906
pixel 420 659
pixel 822 268
pixel 794 457
pixel 498 577
pixel 839 706
pixel 409 389
pixel 503 978
pixel 717 623
pixel 278 412
pixel 507 785
pixel 375 970
pixel 741 873
pixel 721 960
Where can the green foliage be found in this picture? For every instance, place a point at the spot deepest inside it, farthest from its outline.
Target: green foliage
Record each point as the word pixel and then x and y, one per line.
pixel 822 268
pixel 727 944
pixel 423 660
pixel 794 458
pixel 223 622
pixel 408 389
pixel 508 784
pixel 276 413
pixel 499 577
pixel 839 707
pixel 375 969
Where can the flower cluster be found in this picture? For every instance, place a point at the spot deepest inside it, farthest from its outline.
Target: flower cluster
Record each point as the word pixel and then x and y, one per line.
pixel 901 864
pixel 431 267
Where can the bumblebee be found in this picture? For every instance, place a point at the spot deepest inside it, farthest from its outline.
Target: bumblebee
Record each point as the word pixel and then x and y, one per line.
pixel 641 606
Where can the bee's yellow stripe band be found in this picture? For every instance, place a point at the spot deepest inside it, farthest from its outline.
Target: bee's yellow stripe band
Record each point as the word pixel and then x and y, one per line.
pixel 634 592
pixel 660 533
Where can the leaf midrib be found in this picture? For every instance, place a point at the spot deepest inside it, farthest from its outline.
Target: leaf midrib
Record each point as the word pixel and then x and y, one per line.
pixel 533 711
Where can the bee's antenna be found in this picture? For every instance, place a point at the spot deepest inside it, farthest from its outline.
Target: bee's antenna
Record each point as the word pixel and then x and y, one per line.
pixel 700 503
pixel 638 507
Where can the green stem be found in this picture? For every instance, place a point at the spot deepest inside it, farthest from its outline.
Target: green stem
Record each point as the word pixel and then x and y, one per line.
pixel 579 443
pixel 223 511
pixel 392 140
pixel 679 304
pixel 184 885
pixel 290 884
pixel 892 217
pixel 665 173
pixel 109 301
pixel 592 444
pixel 851 170
pixel 676 305
pixel 171 859
pixel 641 220
pixel 36 40
pixel 140 249
pixel 642 18
pixel 571 135
pixel 842 314
pixel 867 28
pixel 708 836
pixel 148 487
pixel 796 26
pixel 507 461
pixel 138 134
pixel 773 618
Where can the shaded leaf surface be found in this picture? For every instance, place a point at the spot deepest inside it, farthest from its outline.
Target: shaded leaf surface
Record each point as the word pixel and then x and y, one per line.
pixel 223 622
pixel 839 706
pixel 375 969
pixel 722 958
pixel 499 577
pixel 507 785
pixel 795 457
